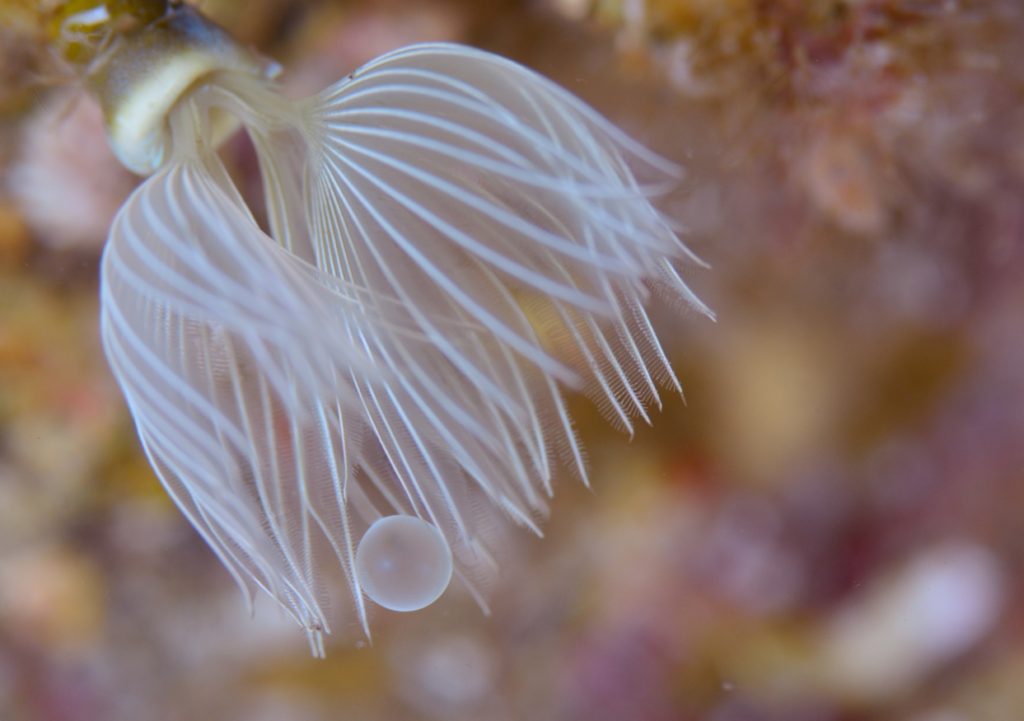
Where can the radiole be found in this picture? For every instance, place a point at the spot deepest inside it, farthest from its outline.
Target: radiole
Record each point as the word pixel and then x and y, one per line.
pixel 451 240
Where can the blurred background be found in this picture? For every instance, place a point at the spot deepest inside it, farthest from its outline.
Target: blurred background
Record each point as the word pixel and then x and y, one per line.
pixel 830 528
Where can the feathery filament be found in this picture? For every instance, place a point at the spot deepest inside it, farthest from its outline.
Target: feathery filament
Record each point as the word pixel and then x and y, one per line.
pixel 452 240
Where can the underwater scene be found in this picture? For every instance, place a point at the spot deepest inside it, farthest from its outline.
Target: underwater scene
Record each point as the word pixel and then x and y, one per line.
pixel 561 360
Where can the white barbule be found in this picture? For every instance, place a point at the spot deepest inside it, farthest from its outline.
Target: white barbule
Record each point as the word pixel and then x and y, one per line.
pixel 452 239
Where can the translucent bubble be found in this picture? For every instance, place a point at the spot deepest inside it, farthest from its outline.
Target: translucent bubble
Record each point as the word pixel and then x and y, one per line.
pixel 403 563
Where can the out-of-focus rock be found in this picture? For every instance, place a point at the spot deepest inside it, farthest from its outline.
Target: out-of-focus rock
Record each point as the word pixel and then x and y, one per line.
pixel 909 624
pixel 332 44
pixel 66 180
pixel 51 597
pixel 780 389
pixel 444 677
pixel 14 237
pixel 840 176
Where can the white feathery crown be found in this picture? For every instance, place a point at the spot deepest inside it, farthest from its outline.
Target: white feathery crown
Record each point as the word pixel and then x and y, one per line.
pixel 452 240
